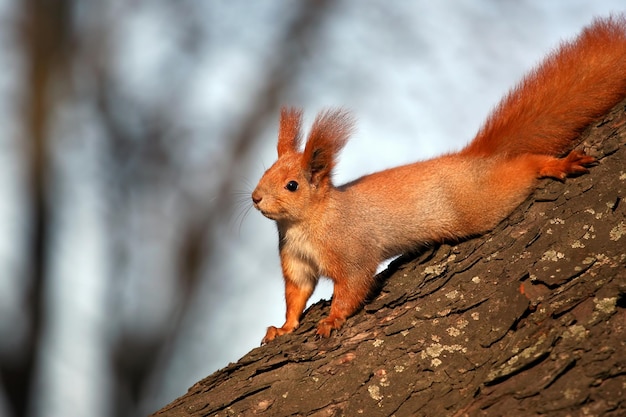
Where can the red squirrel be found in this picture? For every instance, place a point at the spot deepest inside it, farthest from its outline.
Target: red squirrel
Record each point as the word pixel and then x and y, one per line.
pixel 344 232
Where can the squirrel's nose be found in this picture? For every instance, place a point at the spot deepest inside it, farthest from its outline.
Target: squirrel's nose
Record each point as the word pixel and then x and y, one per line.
pixel 256 197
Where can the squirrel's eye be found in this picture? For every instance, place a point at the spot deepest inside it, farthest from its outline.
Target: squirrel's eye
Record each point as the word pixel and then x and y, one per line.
pixel 292 186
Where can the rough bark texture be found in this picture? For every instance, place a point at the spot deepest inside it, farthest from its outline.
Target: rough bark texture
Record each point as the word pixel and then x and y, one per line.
pixel 527 320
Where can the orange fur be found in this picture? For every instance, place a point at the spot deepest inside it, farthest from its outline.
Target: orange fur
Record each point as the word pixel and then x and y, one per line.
pixel 344 232
pixel 289 134
pixel 329 134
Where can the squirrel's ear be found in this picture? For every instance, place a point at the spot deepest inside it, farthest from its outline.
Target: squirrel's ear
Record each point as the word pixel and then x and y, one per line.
pixel 289 135
pixel 329 134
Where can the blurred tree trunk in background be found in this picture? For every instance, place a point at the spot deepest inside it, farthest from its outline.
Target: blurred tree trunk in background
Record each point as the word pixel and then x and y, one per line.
pixel 45 32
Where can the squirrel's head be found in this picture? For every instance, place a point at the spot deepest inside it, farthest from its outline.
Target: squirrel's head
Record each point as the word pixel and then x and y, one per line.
pixel 300 180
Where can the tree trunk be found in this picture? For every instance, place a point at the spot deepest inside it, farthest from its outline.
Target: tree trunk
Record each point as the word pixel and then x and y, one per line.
pixel 527 320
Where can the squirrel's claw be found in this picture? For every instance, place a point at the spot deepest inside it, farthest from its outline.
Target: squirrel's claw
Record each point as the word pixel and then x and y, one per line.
pixel 327 325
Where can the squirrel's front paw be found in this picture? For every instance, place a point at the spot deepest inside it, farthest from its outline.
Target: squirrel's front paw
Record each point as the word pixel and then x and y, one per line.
pixel 273 332
pixel 270 335
pixel 327 325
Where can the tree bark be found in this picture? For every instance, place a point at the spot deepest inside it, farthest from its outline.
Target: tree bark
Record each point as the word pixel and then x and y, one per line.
pixel 529 319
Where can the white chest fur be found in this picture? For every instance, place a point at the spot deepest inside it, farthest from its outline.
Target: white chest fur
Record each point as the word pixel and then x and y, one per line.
pixel 298 243
pixel 300 256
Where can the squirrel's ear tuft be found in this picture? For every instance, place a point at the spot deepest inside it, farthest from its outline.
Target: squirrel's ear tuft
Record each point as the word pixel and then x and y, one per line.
pixel 329 134
pixel 289 135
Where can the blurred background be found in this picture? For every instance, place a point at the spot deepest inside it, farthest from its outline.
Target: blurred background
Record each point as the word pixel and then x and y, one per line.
pixel 132 132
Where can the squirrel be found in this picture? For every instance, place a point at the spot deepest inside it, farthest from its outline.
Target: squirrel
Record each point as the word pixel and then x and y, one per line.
pixel 344 232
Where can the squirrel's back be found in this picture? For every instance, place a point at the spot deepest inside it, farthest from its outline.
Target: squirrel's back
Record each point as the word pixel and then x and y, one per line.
pixel 549 108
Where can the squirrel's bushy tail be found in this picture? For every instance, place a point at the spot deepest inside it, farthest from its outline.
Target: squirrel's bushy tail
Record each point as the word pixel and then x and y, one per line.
pixel 577 83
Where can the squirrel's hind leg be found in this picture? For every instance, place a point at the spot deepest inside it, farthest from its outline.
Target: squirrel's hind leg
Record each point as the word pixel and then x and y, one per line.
pixel 575 163
pixel 526 166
